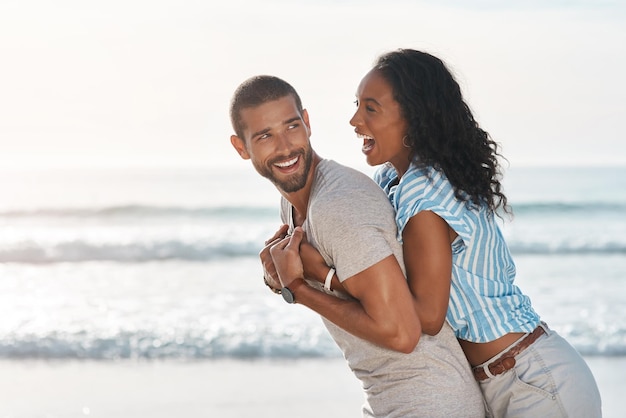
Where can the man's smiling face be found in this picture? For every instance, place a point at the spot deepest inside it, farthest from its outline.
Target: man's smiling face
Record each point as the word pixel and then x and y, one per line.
pixel 276 140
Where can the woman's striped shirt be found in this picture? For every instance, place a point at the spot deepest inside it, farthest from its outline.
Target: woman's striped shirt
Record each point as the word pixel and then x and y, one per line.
pixel 484 302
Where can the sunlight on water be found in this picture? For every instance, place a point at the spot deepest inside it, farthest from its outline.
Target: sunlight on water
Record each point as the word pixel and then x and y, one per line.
pixel 164 264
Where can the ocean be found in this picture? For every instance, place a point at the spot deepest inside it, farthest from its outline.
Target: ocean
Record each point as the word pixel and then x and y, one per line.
pixel 151 263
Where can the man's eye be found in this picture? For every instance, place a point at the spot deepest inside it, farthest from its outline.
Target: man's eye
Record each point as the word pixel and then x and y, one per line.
pixel 356 102
pixel 369 108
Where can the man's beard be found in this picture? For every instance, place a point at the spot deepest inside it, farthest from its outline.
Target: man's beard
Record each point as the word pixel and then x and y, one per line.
pixel 296 181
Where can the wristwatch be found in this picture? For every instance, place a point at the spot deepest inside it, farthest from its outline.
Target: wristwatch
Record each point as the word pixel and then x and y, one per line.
pixel 289 292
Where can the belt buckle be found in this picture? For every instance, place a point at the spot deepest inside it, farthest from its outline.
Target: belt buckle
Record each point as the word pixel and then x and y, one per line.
pixel 481 372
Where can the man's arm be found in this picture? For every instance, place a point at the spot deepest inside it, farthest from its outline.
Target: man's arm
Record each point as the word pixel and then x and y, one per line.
pixel 428 260
pixel 382 311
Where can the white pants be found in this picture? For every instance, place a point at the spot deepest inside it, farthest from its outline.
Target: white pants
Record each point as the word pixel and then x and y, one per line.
pixel 550 379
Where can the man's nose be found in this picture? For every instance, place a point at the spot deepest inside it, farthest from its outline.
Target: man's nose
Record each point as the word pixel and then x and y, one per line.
pixel 282 142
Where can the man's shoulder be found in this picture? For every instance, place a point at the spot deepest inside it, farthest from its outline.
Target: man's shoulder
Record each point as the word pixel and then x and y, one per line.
pixel 334 176
pixel 330 167
pixel 342 190
pixel 344 187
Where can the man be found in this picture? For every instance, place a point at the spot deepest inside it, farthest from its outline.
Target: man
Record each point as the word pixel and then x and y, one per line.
pixel 349 220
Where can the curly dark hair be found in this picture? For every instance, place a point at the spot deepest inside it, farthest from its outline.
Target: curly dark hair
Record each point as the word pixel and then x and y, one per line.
pixel 442 131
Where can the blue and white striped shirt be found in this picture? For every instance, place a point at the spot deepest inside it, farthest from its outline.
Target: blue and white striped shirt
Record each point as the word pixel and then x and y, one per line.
pixel 484 302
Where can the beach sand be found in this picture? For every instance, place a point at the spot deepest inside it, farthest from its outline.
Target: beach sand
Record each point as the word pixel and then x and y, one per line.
pixel 222 388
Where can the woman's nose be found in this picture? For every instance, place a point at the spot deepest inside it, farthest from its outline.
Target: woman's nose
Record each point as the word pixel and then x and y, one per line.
pixel 354 119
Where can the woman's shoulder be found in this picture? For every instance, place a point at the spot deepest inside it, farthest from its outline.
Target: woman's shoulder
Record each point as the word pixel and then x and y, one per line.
pixel 421 177
pixel 427 182
pixel 419 171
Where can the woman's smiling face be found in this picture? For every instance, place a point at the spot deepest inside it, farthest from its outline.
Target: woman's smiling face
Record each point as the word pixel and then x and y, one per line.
pixel 378 120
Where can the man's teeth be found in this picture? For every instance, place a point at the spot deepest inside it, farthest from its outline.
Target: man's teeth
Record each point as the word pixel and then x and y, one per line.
pixel 362 136
pixel 287 163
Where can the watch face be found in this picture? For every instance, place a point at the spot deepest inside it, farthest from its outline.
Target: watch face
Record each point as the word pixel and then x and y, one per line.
pixel 288 295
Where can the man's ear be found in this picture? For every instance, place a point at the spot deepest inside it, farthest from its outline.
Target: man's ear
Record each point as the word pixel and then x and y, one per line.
pixel 305 118
pixel 240 146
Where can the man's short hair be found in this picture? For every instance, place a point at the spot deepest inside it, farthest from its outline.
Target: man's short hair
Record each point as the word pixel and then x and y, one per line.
pixel 254 92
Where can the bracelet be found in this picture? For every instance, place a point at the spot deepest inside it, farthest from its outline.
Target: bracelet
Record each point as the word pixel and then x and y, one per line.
pixel 329 279
pixel 277 291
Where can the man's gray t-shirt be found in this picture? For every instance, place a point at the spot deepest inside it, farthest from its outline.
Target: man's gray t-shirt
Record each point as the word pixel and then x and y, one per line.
pixel 351 223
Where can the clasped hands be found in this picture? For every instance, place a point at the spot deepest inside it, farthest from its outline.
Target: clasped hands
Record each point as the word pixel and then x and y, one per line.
pixel 288 257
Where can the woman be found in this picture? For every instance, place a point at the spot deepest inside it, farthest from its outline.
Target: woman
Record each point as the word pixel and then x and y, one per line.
pixel 441 173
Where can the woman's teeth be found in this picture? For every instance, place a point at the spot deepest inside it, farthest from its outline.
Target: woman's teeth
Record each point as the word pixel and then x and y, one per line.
pixel 368 143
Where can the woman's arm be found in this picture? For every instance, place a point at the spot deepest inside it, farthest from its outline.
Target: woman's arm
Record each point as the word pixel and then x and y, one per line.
pixel 428 260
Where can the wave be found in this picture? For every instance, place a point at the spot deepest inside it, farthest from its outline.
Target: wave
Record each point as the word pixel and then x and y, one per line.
pixel 568 248
pixel 136 252
pixel 201 250
pixel 80 251
pixel 150 345
pixel 142 233
pixel 141 211
pixel 309 343
pixel 565 208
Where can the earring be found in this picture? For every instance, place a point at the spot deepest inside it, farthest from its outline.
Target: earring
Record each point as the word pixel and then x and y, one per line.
pixel 404 138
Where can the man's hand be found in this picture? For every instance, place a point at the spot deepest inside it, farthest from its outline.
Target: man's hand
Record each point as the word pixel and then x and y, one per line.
pixel 269 271
pixel 278 235
pixel 286 257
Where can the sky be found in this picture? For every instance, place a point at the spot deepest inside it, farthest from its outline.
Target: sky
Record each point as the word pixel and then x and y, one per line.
pixel 138 82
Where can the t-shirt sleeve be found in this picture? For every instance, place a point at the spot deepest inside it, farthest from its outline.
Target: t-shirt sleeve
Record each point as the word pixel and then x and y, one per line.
pixel 353 230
